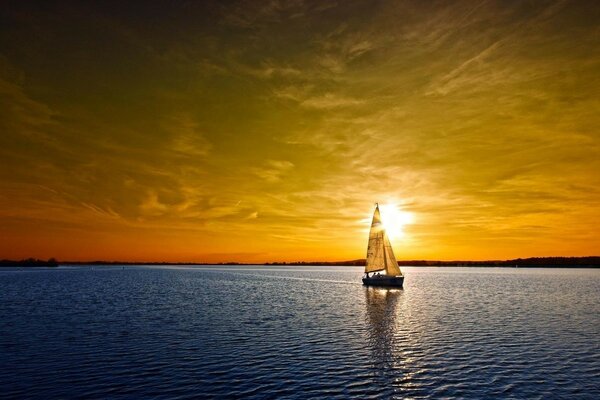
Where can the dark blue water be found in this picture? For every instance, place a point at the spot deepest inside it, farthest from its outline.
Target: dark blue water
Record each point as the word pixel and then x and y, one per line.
pixel 260 332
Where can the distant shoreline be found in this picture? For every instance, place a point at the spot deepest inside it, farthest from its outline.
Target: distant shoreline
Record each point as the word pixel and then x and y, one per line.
pixel 532 262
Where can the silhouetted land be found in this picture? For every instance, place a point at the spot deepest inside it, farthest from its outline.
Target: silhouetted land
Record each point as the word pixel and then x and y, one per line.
pixel 30 262
pixel 542 262
pixel 534 262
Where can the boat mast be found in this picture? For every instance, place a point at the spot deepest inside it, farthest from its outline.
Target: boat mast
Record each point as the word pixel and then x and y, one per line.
pixel 383 243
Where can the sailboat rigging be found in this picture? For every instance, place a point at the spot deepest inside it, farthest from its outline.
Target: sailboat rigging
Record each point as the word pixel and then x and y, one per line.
pixel 380 257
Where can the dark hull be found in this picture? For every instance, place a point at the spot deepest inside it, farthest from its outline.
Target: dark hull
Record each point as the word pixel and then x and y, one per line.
pixel 384 281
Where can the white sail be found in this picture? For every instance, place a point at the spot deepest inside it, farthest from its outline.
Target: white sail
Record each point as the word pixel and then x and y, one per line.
pixel 380 256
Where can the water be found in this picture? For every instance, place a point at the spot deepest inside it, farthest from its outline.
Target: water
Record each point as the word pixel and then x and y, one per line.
pixel 283 332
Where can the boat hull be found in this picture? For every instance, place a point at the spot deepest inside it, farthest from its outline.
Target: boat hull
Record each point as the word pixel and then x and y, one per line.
pixel 384 281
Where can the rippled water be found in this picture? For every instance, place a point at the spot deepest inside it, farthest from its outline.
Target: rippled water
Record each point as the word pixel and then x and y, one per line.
pixel 277 332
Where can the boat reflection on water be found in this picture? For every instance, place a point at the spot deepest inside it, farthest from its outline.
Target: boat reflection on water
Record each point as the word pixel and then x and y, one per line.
pixel 385 336
pixel 382 307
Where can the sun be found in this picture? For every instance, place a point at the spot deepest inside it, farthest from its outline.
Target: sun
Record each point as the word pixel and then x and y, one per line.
pixel 394 220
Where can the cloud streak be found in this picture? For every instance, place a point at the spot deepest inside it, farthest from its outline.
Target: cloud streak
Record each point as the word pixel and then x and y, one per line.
pixel 267 131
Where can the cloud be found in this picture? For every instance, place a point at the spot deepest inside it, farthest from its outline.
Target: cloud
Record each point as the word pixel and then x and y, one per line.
pixel 252 215
pixel 273 171
pixel 271 128
pixel 152 205
pixel 187 139
pixel 330 100
pixel 21 115
pixel 269 69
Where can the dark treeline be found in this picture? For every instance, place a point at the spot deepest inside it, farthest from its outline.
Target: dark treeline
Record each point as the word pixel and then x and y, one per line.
pixel 518 262
pixel 360 262
pixel 29 262
pixel 563 262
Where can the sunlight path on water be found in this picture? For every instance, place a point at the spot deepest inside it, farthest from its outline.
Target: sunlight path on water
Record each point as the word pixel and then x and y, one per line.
pixel 239 272
pixel 230 269
pixel 289 277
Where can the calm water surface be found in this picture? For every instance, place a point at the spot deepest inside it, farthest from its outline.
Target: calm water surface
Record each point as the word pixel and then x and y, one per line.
pixel 279 332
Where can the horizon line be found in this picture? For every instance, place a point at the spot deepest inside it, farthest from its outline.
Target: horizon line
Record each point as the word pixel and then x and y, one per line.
pixel 357 261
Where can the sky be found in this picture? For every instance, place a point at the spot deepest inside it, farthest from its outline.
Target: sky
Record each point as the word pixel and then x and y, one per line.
pixel 256 131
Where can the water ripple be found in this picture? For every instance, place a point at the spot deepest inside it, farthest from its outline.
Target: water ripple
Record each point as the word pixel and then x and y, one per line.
pixel 264 332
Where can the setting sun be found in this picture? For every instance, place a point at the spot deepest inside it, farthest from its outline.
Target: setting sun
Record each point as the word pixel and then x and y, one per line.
pixel 395 220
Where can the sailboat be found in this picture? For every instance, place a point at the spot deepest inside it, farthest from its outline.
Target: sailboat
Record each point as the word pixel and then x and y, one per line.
pixel 380 257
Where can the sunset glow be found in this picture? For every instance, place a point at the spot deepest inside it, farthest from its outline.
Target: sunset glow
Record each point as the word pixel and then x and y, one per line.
pixel 266 131
pixel 395 220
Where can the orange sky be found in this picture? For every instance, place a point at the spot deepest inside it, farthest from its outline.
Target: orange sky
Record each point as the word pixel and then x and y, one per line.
pixel 267 131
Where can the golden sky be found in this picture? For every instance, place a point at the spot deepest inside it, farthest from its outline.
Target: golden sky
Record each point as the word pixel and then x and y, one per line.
pixel 266 131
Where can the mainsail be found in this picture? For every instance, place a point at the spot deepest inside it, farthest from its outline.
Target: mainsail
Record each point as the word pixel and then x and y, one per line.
pixel 380 255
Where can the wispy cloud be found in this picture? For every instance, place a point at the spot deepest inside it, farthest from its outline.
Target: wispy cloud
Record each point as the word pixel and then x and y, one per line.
pixel 330 100
pixel 273 170
pixel 187 138
pixel 269 129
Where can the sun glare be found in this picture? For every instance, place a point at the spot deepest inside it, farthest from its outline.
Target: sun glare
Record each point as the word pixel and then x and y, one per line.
pixel 394 220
